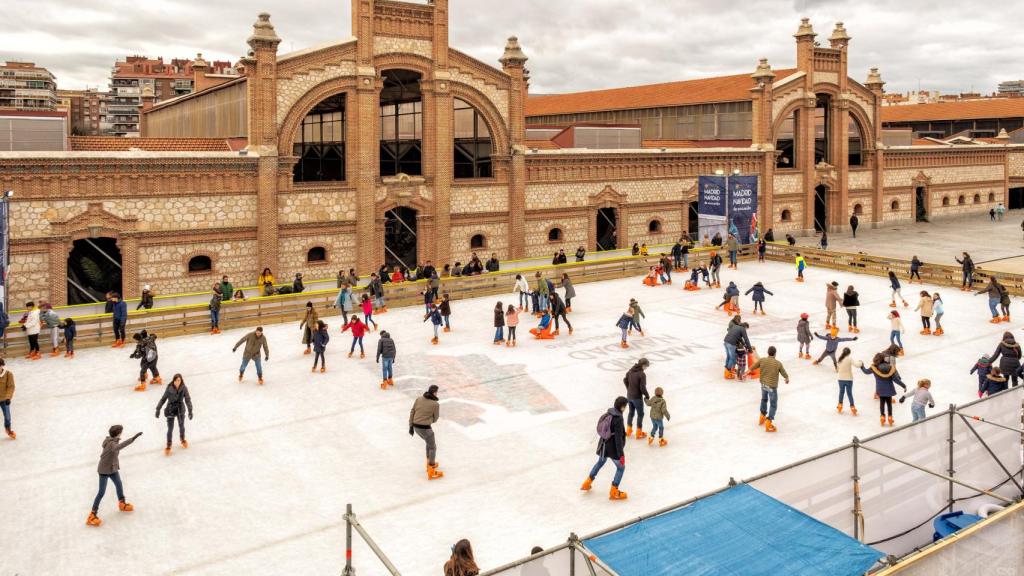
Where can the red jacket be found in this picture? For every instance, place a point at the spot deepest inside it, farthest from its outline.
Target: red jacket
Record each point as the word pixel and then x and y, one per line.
pixel 367 306
pixel 397 277
pixel 358 328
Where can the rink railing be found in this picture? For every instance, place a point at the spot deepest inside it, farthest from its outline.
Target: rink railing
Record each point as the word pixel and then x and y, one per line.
pixel 884 490
pixel 861 263
pixel 96 329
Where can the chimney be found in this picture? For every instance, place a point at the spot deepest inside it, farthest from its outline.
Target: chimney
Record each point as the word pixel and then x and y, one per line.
pixel 199 69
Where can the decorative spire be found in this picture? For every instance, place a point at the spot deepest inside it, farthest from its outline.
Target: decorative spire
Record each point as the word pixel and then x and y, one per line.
pixel 199 62
pixel 147 91
pixel 874 81
pixel 763 74
pixel 1002 134
pixel 263 32
pixel 513 55
pixel 839 36
pixel 805 29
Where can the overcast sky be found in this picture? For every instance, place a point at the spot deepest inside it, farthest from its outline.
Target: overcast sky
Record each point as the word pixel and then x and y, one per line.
pixel 572 44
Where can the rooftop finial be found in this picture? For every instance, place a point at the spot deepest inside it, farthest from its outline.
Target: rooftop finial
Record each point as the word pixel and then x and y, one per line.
pixel 805 29
pixel 263 31
pixel 513 55
pixel 874 80
pixel 763 73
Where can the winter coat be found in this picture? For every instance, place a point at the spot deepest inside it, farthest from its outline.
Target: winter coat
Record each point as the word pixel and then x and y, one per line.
pixel 521 286
pixel 512 318
pixel 215 303
pixel 803 331
pixel 493 265
pixel 844 368
pixel 831 297
pixel 499 318
pixel 70 332
pixel 435 317
pixel 446 307
pixel 146 301
pixel 1008 354
pixel 894 283
pixel 800 262
pixel 624 321
pixel 226 290
pixel 832 344
pixel 993 384
pixel 937 307
pixel 637 312
pixel 635 381
pixel 557 305
pixel 108 459
pixel 925 306
pixel 6 386
pixel 851 299
pixel 967 265
pixel 253 344
pixel 570 291
pixel 425 411
pixel 731 245
pixel 49 319
pixel 357 327
pixel 342 298
pixel 922 397
pixel 731 290
pixel 886 377
pixel 677 250
pixel 770 368
pixel 659 408
pixel 759 291
pixel 386 347
pixel 542 287
pixel 736 335
pixel 915 264
pixel 993 291
pixel 175 397
pixel 982 367
pixel 121 311
pixel 320 340
pixel 716 262
pixel 615 446
pixel 366 306
pixel 896 324
pixel 308 322
pixel 376 288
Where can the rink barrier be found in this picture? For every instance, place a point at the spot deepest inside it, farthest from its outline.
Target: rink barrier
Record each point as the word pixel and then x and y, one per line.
pixel 886 501
pixel 861 263
pixel 96 329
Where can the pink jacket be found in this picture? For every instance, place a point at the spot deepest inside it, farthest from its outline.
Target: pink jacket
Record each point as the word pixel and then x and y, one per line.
pixel 512 318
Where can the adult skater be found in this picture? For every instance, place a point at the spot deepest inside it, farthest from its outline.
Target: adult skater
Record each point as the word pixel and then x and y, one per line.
pixel 461 563
pixel 759 291
pixel 886 377
pixel 386 353
pixel 732 246
pixel 120 319
pixel 832 341
pixel 844 373
pixel 894 284
pixel 30 324
pixel 635 382
pixel 320 339
pixel 6 395
pixel 358 331
pixel 677 255
pixel 967 269
pixel 611 444
pixel 521 290
pixel 540 294
pixel 832 299
pixel 557 311
pixel 1008 353
pixel 343 297
pixel 425 412
pixel 177 398
pixel 376 289
pixel 308 326
pixel 915 270
pixel 570 291
pixel 762 247
pixel 770 369
pixel 51 321
pixel 851 301
pixel 995 294
pixel 716 266
pixel 108 469
pixel 446 311
pixel 254 341
pixel 146 352
pixel 736 335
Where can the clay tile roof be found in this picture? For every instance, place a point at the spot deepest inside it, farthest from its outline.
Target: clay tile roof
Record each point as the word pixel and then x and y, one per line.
pixel 116 144
pixel 542 144
pixel 701 91
pixel 695 144
pixel 964 110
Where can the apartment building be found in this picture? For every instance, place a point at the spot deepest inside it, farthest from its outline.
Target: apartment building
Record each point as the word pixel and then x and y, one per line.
pixel 25 86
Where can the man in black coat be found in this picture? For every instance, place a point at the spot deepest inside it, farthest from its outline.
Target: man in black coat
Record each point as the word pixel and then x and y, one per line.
pixel 854 222
pixel 635 381
pixel 611 445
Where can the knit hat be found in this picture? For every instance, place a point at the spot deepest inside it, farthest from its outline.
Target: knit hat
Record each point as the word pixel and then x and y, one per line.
pixel 803 316
pixel 146 287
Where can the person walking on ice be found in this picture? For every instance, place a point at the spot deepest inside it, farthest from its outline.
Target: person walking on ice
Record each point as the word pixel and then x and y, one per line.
pixel 915 270
pixel 635 382
pixel 176 397
pixel 832 299
pixel 109 469
pixel 6 395
pixel 851 301
pixel 386 353
pixel 1008 353
pixel 925 305
pixel 896 330
pixel 844 373
pixel 320 339
pixel 832 341
pixel 759 291
pixel 611 444
pixel 922 397
pixel 770 369
pixel 425 412
pixel 358 331
pixel 254 342
pixel 659 413
pixel 803 337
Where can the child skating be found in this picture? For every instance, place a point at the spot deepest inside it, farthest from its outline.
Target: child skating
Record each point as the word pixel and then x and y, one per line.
pixel 146 352
pixel 716 266
pixel 832 299
pixel 925 306
pixel 896 330
pixel 435 320
pixel 499 324
pixel 320 339
pixel 731 294
pixel 543 331
pixel 894 284
pixel 995 382
pixel 759 291
pixel 446 311
pixel 109 469
pixel 886 379
pixel 982 367
pixel 177 398
pixel 624 322
pixel 659 413
pixel 801 265
pixel 358 331
pixel 637 314
pixel 844 373
pixel 70 333
pixel 922 398
pixel 803 337
pixel 367 307
pixel 832 341
pixel 511 322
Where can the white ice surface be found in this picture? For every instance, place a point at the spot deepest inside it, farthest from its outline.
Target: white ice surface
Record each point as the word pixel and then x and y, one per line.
pixel 263 487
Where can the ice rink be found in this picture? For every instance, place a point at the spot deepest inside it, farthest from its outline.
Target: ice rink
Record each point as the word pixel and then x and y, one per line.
pixel 263 487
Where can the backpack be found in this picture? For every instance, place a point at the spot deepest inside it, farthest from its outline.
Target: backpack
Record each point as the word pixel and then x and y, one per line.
pixel 604 426
pixel 150 353
pixel 284 290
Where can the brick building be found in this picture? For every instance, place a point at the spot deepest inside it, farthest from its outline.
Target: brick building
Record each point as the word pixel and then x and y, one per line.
pixel 394 147
pixel 25 86
pixel 87 111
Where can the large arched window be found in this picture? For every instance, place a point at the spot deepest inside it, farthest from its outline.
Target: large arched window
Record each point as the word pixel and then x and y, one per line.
pixel 472 143
pixel 401 124
pixel 320 144
pixel 785 143
pixel 822 129
pixel 854 139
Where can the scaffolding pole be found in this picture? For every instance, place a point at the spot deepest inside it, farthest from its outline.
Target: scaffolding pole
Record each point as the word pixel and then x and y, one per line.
pixel 105 255
pixel 352 522
pixel 937 475
pixel 993 455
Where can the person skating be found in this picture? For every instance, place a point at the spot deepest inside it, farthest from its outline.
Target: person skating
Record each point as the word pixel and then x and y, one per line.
pixel 70 333
pixel 684 251
pixel 732 246
pixel 832 341
pixel 30 324
pixel 851 301
pixel 635 316
pixel 894 284
pixel 358 331
pixel 926 306
pixel 462 562
pixel 428 298
pixel 995 382
pixel 570 291
pixel 730 295
pixel 544 330
pixel 1004 302
pixel 994 290
pixel 844 373
pixel 770 370
pixel 624 323
pixel 434 283
pixel 425 412
pixel 320 339
pixel 446 311
pixel 6 395
pixel 832 299
pixel 521 290
pixel 677 255
pixel 651 279
pixel 119 320
pixel 659 413
pixel 611 444
pixel 665 269
pixel 146 352
pixel 216 299
pixel 109 469
pixel 922 397
pixel 1008 353
pixel 376 291
pixel 541 294
pixel 51 321
pixel 386 353
pixel 896 330
pixel 886 379
pixel 759 291
pixel 635 382
pixel 716 266
pixel 176 397
pixel 254 341
pixel 511 322
pixel 762 247
pixel 915 270
pixel 435 320
pixel 499 324
pixel 982 367
pixel 967 270
pixel 741 358
pixel 735 334
pixel 367 307
pixel 801 265
pixel 558 310
pixel 803 337
pixel 308 326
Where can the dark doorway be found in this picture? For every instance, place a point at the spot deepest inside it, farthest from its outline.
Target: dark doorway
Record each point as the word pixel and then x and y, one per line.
pixel 607 226
pixel 1016 199
pixel 94 268
pixel 693 222
pixel 400 237
pixel 920 205
pixel 820 208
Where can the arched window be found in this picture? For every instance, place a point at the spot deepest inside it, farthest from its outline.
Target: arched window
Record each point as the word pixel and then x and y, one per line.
pixel 654 226
pixel 854 139
pixel 320 143
pixel 200 264
pixel 945 200
pixel 477 241
pixel 316 254
pixel 894 205
pixel 787 215
pixel 961 200
pixel 555 235
pixel 472 142
pixel 977 198
pixel 401 124
pixel 991 197
pixel 785 143
pixel 823 129
pixel 858 209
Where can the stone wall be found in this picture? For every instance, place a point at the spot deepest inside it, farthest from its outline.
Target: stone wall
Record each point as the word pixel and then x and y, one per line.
pixel 574 234
pixel 904 210
pixel 495 240
pixel 788 184
pixel 576 194
pixel 866 202
pixel 477 199
pixel 860 180
pixel 497 96
pixel 963 201
pixel 671 226
pixel 396 45
pixel 318 206
pixel 293 251
pixel 28 278
pixel 795 222
pixel 291 89
pixel 896 177
pixel 165 267
pixel 1016 164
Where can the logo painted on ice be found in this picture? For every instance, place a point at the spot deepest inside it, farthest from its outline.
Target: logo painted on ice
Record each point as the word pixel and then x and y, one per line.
pixel 655 348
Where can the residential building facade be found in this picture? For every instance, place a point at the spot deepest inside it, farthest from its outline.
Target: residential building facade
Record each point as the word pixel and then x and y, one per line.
pixel 25 86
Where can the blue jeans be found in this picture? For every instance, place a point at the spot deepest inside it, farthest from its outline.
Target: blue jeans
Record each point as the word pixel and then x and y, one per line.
pixel 730 356
pixel 378 302
pixel 499 333
pixel 524 297
pixel 686 260
pixel 357 340
pixel 623 334
pixel 447 322
pixel 368 319
pixel 846 386
pixel 636 406
pixel 386 365
pixel 116 478
pixel 6 409
pixel 732 257
pixel 894 338
pixel 677 259
pixel 214 318
pixel 620 469
pixel 256 360
pixel 436 328
pixel 657 426
pixel 993 306
pixel 917 411
pixel 769 395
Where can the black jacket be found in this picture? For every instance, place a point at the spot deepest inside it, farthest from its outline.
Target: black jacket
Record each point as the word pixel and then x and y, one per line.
pixel 386 346
pixel 493 265
pixel 499 318
pixel 557 305
pixel 737 334
pixel 615 446
pixel 446 307
pixel 174 397
pixel 851 299
pixel 1008 354
pixel 636 383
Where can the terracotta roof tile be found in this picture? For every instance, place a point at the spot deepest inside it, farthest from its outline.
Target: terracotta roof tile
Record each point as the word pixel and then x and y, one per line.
pixel 964 110
pixel 542 144
pixel 695 144
pixel 704 90
pixel 117 144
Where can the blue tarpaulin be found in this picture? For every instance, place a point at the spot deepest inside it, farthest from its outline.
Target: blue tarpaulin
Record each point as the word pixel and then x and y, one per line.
pixel 739 531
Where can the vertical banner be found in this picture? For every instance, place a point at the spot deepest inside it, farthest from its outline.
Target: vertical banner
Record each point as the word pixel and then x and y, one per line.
pixel 711 207
pixel 4 254
pixel 743 207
